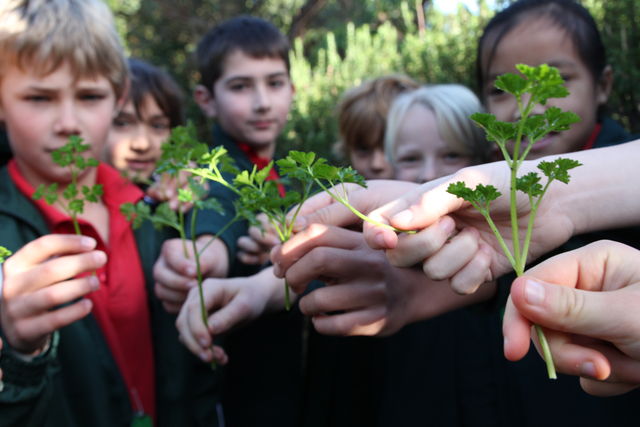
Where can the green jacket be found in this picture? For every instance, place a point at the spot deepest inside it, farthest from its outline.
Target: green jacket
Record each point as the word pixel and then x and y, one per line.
pixel 77 382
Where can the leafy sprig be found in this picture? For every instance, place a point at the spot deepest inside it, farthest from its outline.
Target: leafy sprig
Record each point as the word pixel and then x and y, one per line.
pixel 540 84
pixel 4 253
pixel 71 156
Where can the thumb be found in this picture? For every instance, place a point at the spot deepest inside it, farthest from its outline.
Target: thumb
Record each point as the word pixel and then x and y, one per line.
pixel 567 309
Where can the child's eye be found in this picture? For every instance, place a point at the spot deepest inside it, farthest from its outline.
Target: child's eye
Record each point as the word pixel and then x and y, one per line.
pixel 120 122
pixel 238 87
pixel 91 96
pixel 37 98
pixel 410 158
pixel 452 157
pixel 276 83
pixel 160 125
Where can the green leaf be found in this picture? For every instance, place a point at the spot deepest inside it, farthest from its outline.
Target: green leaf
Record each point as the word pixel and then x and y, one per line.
pixel 4 253
pixel 70 192
pixel 529 184
pixel 512 83
pixel 558 169
pixel 480 197
pixel 185 195
pixel 76 206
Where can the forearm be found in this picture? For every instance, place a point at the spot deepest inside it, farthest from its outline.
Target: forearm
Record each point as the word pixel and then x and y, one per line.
pixel 603 193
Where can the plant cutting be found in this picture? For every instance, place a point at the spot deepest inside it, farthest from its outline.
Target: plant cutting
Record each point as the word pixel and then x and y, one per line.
pixel 4 253
pixel 539 84
pixel 73 200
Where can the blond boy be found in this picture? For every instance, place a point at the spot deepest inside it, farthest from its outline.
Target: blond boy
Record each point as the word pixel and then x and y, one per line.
pixel 79 349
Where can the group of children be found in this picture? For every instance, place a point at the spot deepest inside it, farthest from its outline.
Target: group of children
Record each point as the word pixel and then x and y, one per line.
pixel 88 323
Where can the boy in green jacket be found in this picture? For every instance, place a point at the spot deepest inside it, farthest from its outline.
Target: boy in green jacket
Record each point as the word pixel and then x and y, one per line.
pixel 79 348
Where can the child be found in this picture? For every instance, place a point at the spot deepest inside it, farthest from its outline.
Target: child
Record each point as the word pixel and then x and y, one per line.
pixel 154 107
pixel 362 115
pixel 245 86
pixel 95 349
pixel 429 133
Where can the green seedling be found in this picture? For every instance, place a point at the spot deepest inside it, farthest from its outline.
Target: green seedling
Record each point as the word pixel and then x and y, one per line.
pixel 4 254
pixel 73 198
pixel 539 83
pixel 179 154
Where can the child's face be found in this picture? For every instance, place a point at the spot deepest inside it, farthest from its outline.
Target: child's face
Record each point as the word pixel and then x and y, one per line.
pixel 370 162
pixel 540 42
pixel 252 97
pixel 419 153
pixel 41 112
pixel 134 143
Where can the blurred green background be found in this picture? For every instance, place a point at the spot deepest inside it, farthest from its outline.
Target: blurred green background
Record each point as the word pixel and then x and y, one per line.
pixel 339 43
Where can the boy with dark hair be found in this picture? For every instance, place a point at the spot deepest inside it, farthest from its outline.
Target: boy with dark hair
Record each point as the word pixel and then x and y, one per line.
pixel 79 348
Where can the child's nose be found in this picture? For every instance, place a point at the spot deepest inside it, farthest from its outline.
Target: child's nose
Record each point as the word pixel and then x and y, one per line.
pixel 139 141
pixel 262 99
pixel 67 122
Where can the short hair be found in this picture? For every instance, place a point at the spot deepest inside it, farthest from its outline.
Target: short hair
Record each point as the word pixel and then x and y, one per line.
pixel 452 104
pixel 362 111
pixel 147 79
pixel 568 15
pixel 253 36
pixel 43 34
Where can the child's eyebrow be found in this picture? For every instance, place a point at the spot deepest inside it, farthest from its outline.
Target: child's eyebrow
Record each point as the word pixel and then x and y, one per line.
pixel 251 78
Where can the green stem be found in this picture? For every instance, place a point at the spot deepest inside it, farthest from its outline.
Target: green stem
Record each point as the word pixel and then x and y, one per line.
pixel 360 214
pixel 496 232
pixel 203 308
pixel 183 237
pixel 546 353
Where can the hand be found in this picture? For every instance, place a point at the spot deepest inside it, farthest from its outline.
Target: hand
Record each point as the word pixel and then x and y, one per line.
pixel 231 302
pixel 166 190
pixel 365 294
pixel 590 315
pixel 175 274
pixel 38 297
pixel 254 249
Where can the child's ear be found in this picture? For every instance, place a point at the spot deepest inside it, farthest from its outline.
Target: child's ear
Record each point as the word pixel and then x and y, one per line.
pixel 604 85
pixel 204 99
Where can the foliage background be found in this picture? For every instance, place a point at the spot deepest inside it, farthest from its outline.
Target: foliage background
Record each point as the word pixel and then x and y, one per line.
pixel 339 43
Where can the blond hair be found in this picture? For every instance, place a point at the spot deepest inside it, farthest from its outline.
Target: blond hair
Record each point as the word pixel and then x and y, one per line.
pixel 42 35
pixel 452 104
pixel 362 111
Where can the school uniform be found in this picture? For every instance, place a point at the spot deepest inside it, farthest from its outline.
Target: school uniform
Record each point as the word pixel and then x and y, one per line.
pixel 101 370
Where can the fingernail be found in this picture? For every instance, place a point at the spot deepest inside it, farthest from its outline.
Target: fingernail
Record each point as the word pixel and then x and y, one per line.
pixel 277 270
pixel 99 257
pixel 300 223
pixel 192 284
pixel 204 356
pixel 534 293
pixel 88 242
pixel 379 240
pixel 203 342
pixel 191 271
pixel 447 225
pixel 588 369
pixel 94 283
pixel 403 217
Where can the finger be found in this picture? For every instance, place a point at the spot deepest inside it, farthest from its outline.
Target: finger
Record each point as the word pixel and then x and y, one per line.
pixel 453 256
pixel 367 322
pixel 238 311
pixel 577 311
pixel 51 271
pixel 193 333
pixel 263 238
pixel 414 248
pixel 316 235
pixel 178 257
pixel 516 330
pixel 250 259
pixel 605 389
pixel 474 274
pixel 347 297
pixel 172 297
pixel 34 328
pixel 39 250
pixel 170 280
pixel 248 244
pixel 52 296
pixel 335 264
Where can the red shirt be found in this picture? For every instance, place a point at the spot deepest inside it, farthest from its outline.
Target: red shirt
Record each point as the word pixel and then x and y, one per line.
pixel 261 163
pixel 120 305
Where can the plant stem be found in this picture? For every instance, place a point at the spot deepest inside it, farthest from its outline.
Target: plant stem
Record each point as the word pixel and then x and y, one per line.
pixel 546 353
pixel 203 308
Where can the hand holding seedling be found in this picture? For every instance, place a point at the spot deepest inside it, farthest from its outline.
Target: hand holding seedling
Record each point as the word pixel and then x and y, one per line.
pixel 73 198
pixel 38 296
pixel 572 295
